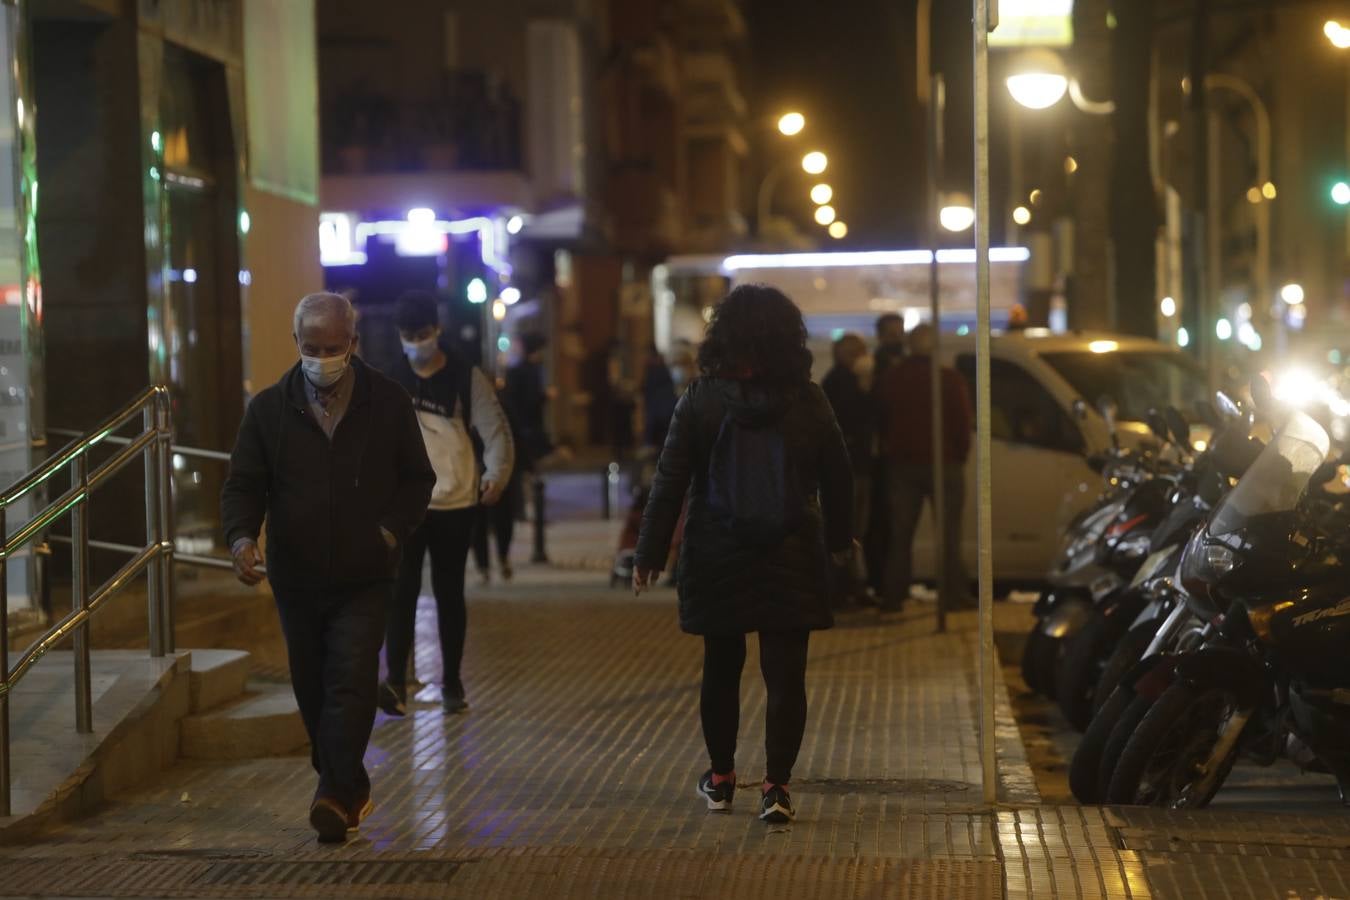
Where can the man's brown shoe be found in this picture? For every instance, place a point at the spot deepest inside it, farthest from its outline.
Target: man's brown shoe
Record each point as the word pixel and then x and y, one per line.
pixel 359 814
pixel 329 819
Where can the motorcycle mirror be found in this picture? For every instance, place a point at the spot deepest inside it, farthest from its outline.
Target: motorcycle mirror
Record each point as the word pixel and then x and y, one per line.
pixel 1177 424
pixel 1262 397
pixel 1157 424
pixel 1226 406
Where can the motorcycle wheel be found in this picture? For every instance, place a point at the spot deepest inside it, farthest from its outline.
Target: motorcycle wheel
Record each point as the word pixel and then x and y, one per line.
pixel 1127 653
pixel 1080 668
pixel 1159 765
pixel 1086 765
pixel 1039 659
pixel 1118 736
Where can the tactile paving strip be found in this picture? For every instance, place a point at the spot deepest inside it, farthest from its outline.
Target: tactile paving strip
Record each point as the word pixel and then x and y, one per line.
pixel 593 874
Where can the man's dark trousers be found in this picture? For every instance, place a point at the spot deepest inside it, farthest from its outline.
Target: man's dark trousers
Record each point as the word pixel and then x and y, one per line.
pixel 333 639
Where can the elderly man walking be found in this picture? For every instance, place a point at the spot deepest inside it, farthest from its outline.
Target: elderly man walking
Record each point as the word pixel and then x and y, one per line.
pixel 332 458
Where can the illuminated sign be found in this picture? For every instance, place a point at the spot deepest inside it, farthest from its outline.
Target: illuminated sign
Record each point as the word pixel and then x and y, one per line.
pixel 1033 23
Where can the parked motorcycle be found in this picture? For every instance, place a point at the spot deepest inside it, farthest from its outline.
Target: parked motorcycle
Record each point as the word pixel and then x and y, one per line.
pixel 1271 679
pixel 1089 668
pixel 1100 553
pixel 1174 621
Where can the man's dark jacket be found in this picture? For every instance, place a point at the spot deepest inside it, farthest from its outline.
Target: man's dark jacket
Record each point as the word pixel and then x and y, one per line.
pixel 856 412
pixel 325 502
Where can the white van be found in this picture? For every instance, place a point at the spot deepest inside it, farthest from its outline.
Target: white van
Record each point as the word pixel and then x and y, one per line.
pixel 1042 437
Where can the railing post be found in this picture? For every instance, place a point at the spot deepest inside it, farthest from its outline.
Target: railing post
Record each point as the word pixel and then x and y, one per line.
pixel 4 666
pixel 79 586
pixel 153 572
pixel 164 455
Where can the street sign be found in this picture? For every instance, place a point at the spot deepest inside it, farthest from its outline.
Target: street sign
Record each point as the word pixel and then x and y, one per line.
pixel 1033 23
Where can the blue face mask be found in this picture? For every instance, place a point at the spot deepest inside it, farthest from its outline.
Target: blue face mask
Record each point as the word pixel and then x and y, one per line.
pixel 420 353
pixel 324 371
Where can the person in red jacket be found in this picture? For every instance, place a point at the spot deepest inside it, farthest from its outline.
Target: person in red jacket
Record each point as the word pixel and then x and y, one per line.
pixel 906 398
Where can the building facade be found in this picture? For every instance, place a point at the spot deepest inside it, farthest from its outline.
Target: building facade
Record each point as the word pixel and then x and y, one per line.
pixel 160 225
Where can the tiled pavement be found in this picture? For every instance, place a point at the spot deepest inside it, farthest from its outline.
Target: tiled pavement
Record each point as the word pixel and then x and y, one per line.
pixel 573 777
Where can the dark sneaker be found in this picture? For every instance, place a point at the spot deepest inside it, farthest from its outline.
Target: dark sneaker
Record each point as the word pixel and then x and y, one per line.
pixel 776 806
pixel 329 819
pixel 453 702
pixel 718 796
pixel 360 812
pixel 393 699
pixel 507 572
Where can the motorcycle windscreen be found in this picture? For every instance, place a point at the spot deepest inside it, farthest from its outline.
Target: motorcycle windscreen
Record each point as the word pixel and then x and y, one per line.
pixel 1277 479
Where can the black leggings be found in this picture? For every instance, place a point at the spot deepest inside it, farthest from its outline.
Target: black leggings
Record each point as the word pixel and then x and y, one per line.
pixel 446 534
pixel 782 660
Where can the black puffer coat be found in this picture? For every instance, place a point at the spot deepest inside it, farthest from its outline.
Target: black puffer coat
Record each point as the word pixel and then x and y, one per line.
pixel 725 586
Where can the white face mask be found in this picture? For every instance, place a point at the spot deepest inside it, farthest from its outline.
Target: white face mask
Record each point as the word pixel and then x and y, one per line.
pixel 420 353
pixel 325 371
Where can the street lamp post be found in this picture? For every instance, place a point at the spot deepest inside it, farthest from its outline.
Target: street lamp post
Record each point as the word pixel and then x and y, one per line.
pixel 813 163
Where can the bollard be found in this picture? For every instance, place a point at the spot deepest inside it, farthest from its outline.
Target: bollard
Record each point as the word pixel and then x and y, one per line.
pixel 605 510
pixel 540 554
pixel 612 479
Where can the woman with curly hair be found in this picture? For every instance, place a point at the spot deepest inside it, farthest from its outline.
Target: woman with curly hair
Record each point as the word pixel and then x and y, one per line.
pixel 755 447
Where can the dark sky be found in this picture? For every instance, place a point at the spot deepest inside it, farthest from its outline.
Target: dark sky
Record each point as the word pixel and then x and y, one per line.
pixel 849 66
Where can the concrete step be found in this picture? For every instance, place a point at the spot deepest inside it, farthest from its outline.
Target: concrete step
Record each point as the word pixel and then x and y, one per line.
pixel 263 721
pixel 218 676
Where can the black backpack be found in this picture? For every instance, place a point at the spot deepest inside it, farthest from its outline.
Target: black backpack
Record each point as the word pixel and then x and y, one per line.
pixel 752 482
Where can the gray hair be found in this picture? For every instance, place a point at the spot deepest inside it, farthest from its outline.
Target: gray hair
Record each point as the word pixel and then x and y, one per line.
pixel 323 306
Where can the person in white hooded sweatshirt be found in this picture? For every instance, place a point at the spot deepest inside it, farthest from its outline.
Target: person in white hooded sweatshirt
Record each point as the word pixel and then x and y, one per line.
pixel 455 402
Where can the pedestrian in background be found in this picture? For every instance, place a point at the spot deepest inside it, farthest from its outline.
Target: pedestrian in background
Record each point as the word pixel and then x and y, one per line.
pixel 527 399
pixel 906 396
pixel 454 400
pixel 332 458
pixel 855 411
pixel 890 351
pixel 755 448
pixel 497 522
pixel 658 398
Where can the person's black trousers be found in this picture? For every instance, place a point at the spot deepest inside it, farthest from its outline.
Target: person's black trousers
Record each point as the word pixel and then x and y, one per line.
pixel 446 535
pixel 782 661
pixel 910 487
pixel 500 522
pixel 333 642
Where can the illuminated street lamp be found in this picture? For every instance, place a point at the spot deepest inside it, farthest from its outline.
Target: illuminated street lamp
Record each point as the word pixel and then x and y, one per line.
pixel 957 214
pixel 1337 33
pixel 792 123
pixel 825 215
pixel 838 229
pixel 1292 294
pixel 815 162
pixel 821 194
pixel 1038 90
pixel 1022 215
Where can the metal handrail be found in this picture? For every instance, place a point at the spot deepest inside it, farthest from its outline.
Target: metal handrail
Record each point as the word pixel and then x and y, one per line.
pixel 187 559
pixel 155 557
pixel 178 449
